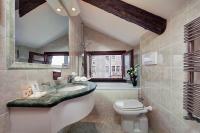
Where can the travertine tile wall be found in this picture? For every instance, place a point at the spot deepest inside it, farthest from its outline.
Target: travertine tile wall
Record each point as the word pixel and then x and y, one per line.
pixel 136 58
pixel 136 55
pixel 162 84
pixel 11 81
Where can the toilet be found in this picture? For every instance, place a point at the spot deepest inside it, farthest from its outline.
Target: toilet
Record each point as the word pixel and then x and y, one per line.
pixel 133 118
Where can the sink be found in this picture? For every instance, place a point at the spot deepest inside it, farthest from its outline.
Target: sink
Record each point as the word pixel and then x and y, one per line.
pixel 72 88
pixel 37 95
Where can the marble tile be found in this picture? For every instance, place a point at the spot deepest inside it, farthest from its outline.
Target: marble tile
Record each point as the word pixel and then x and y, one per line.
pixel 177 53
pixel 166 95
pixel 35 75
pixel 88 127
pixel 2 18
pixel 83 127
pixel 2 53
pixel 4 123
pixel 11 84
pixel 10 18
pixel 165 56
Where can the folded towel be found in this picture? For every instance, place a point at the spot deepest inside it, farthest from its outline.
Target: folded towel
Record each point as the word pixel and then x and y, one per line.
pixel 77 78
pixel 84 79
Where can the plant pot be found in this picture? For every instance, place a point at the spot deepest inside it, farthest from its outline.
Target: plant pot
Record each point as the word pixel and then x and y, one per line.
pixel 134 80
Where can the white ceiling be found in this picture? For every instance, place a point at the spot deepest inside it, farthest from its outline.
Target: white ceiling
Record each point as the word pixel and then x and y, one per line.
pixel 163 8
pixel 123 30
pixel 39 27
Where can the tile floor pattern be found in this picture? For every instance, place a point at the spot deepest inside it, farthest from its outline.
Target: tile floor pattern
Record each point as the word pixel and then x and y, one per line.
pixel 89 127
pixel 83 127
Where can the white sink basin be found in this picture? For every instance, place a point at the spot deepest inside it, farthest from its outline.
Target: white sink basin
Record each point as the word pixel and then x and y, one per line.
pixel 73 88
pixel 37 95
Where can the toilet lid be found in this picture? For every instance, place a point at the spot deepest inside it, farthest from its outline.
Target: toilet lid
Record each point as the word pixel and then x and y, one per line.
pixel 129 104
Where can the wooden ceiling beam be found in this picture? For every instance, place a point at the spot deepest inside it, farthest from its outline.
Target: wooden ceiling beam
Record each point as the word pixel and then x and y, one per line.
pixel 132 14
pixel 26 6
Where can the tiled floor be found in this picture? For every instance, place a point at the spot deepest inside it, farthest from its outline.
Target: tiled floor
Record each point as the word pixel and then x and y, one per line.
pixel 83 127
pixel 87 127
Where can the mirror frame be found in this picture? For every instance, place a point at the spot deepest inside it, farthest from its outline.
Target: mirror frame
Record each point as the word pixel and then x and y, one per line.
pixel 10 44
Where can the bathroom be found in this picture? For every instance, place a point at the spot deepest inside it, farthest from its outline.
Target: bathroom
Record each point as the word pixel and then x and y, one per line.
pixel 90 30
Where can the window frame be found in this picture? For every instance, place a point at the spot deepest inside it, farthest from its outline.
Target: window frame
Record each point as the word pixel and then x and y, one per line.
pixel 47 54
pixel 93 53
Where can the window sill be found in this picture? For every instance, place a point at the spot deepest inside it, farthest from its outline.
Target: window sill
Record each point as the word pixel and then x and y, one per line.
pixel 116 86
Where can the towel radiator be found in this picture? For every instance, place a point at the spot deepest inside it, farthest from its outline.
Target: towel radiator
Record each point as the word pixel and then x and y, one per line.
pixel 191 88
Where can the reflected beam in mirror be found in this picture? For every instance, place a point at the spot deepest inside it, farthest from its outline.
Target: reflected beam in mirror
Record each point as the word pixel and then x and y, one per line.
pixel 25 6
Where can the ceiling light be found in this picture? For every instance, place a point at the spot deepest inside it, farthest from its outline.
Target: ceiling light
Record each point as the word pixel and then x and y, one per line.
pixel 73 9
pixel 58 9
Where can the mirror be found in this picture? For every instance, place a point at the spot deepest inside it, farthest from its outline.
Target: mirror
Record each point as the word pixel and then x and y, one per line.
pixel 41 36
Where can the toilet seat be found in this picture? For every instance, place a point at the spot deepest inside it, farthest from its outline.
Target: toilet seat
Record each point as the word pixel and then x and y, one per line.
pixel 129 107
pixel 129 104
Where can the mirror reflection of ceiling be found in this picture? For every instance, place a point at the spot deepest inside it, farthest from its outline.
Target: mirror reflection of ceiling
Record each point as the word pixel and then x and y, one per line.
pixel 40 27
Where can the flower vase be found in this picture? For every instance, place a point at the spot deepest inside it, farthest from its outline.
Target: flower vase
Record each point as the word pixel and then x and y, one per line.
pixel 134 81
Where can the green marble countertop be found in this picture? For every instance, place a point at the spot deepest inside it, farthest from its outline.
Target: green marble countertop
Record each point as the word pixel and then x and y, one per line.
pixel 55 97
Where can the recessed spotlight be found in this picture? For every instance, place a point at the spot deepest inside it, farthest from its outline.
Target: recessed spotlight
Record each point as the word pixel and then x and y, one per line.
pixel 58 9
pixel 73 9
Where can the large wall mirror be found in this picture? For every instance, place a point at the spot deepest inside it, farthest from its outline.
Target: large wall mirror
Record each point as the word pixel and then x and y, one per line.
pixel 41 37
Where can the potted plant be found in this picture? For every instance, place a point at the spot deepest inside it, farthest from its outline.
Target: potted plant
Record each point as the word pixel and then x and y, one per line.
pixel 133 73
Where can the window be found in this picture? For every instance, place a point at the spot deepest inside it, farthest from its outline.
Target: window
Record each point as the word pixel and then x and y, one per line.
pixel 113 57
pixel 107 69
pixel 113 69
pixel 117 69
pixel 107 58
pixel 105 65
pixel 53 58
pixel 57 60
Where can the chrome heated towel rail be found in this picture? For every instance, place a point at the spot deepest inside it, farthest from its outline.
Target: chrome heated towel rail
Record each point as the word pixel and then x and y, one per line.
pixel 192 67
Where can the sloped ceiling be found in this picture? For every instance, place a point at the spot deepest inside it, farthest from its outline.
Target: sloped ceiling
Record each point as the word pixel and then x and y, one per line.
pixel 39 27
pixel 163 8
pixel 109 24
pixel 123 30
